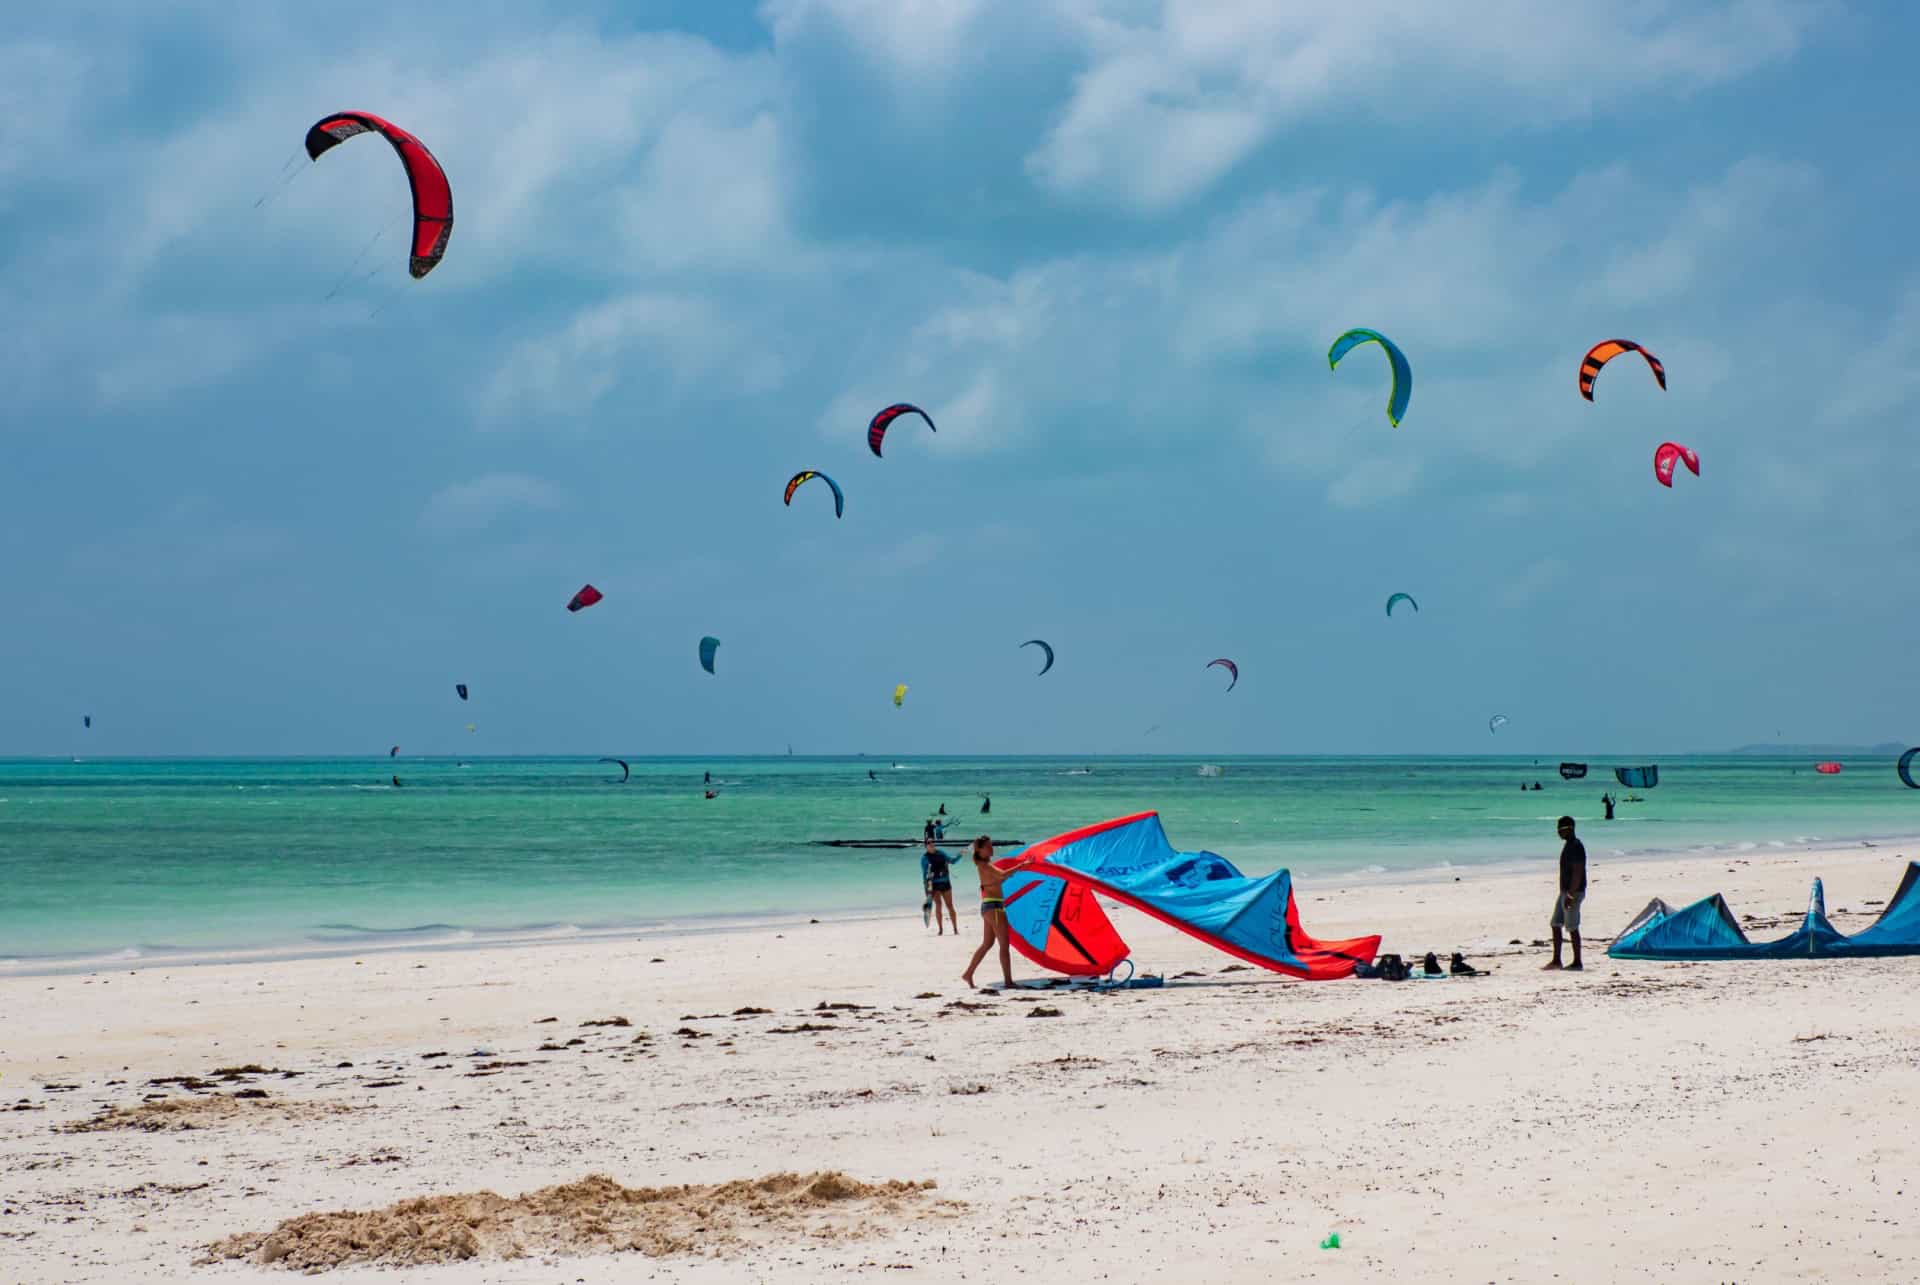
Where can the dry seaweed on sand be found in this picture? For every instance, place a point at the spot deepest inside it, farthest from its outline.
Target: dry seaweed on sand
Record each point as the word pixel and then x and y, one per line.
pixel 593 1215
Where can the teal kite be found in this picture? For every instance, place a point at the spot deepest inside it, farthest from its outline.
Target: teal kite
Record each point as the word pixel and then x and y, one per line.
pixel 1402 372
pixel 708 646
pixel 1401 597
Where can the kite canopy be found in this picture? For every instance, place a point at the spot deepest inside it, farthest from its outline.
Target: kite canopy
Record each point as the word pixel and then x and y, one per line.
pixel 1827 769
pixel 394 751
pixel 1230 667
pixel 432 197
pixel 461 688
pixel 625 771
pixel 1044 646
pixel 587 596
pixel 878 425
pixel 1708 930
pixel 1668 454
pixel 708 646
pixel 1497 722
pixel 1638 778
pixel 1605 351
pixel 86 720
pixel 1053 906
pixel 1572 771
pixel 1402 373
pixel 839 497
pixel 1401 597
pixel 899 694
pixel 1904 768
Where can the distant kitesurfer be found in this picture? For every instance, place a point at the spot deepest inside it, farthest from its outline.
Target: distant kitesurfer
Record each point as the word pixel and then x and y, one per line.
pixel 713 794
pixel 939 828
pixel 942 811
pixel 993 913
pixel 1573 891
pixel 871 776
pixel 986 803
pixel 936 876
pixel 1606 801
pixel 926 832
pixel 706 778
pixel 396 782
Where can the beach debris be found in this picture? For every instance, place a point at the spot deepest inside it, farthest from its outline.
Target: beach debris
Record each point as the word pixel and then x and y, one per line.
pixel 750 1011
pixel 1332 1241
pixel 1044 1011
pixel 593 1215
pixel 607 1021
pixel 969 1090
pixel 177 1115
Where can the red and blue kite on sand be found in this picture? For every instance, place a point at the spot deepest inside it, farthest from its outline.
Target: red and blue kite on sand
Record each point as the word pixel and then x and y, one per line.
pixel 1053 903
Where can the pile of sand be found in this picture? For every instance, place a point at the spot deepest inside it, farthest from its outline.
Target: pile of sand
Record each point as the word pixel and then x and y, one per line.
pixel 594 1215
pixel 175 1114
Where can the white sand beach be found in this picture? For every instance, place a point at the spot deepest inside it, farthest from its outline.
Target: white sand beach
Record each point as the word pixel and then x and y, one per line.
pixel 1638 1122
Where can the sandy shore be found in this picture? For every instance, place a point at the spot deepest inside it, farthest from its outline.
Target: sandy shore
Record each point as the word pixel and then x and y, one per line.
pixel 1640 1122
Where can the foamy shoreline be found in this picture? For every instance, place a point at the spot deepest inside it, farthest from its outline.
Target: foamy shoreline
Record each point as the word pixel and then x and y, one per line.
pixel 436 938
pixel 1673 1122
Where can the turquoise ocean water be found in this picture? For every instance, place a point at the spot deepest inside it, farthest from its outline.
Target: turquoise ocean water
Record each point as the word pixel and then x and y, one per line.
pixel 158 859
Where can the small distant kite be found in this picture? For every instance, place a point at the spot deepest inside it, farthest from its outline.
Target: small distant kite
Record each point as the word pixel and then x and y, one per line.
pixel 1043 646
pixel 86 720
pixel 587 596
pixel 1667 455
pixel 1230 667
pixel 1605 351
pixel 1402 372
pixel 708 646
pixel 1572 771
pixel 899 694
pixel 1905 766
pixel 1401 597
pixel 461 688
pixel 839 496
pixel 1827 769
pixel 625 771
pixel 1497 722
pixel 878 425
pixel 472 728
pixel 394 752
pixel 432 196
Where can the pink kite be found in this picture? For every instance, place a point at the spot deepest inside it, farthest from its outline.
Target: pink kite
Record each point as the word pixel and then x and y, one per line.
pixel 1668 454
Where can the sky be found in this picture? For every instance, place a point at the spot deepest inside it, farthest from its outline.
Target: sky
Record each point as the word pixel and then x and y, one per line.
pixel 264 494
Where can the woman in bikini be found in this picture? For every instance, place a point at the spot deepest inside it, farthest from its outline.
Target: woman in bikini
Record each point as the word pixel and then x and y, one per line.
pixel 993 912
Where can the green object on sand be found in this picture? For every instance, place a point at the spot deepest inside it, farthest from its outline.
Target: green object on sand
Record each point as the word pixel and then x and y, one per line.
pixel 1332 1241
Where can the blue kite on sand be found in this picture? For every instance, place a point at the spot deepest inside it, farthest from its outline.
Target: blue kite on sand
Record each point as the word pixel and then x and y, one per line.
pixel 1708 930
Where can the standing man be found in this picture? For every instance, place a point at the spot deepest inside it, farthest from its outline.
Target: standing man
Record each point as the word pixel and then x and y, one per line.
pixel 1573 890
pixel 1606 801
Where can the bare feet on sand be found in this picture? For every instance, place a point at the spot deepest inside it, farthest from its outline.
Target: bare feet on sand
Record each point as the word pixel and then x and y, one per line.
pixel 1550 965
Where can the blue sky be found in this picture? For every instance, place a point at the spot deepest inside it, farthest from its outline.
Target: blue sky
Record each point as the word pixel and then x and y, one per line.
pixel 1105 244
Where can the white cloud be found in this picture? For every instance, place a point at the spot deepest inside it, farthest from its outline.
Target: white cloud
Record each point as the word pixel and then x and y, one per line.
pixel 476 505
pixel 1169 104
pixel 678 338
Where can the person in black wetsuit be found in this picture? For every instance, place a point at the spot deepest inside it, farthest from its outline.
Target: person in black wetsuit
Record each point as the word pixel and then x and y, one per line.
pixel 936 875
pixel 1573 891
pixel 986 803
pixel 1606 801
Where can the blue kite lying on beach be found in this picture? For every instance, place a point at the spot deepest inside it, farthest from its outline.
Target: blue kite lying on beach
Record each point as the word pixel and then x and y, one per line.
pixel 1053 903
pixel 1708 930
